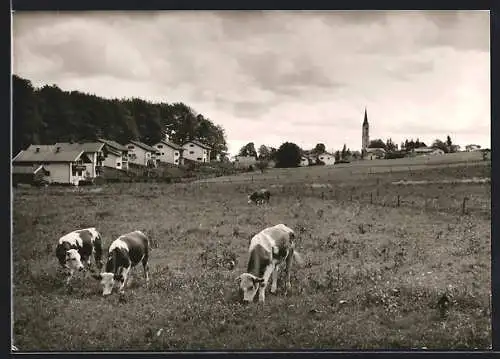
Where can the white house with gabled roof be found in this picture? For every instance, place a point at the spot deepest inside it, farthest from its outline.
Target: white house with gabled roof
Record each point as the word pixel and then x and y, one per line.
pixel 196 151
pixel 169 152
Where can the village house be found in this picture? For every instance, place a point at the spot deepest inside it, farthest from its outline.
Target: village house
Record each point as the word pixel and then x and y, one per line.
pixel 169 152
pixel 115 155
pixel 141 154
pixel 29 174
pixel 327 158
pixel 470 148
pixel 245 161
pixel 304 161
pixel 196 151
pixel 375 153
pixel 58 166
pixel 428 151
pixel 93 150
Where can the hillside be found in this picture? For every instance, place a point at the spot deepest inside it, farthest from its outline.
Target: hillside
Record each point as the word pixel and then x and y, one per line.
pixel 47 115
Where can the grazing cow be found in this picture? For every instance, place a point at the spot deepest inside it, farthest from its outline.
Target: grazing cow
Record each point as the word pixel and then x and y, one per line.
pixel 259 197
pixel 76 248
pixel 124 253
pixel 269 249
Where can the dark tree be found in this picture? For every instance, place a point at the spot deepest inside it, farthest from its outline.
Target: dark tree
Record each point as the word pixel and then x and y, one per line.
pixel 248 150
pixel 288 155
pixel 320 148
pixel 378 143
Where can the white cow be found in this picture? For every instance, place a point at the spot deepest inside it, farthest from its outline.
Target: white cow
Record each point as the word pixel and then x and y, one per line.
pixel 269 249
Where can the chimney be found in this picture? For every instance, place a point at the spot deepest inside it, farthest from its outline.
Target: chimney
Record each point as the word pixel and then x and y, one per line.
pixel 37 149
pixel 58 149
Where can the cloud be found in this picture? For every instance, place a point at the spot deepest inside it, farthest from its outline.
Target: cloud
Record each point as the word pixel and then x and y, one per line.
pixel 278 76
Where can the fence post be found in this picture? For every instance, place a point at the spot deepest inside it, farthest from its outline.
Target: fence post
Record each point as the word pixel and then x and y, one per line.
pixel 371 197
pixel 464 209
pixel 252 178
pixel 323 195
pixel 352 190
pixel 398 200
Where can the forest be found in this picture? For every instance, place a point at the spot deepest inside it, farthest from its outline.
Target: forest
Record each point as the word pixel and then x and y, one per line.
pixel 48 115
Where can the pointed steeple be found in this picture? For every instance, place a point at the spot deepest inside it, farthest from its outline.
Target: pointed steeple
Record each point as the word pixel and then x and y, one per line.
pixel 365 122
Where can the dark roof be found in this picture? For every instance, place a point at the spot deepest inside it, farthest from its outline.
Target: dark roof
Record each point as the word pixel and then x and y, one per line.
pixel 144 146
pixel 46 156
pixel 27 169
pixel 199 144
pixel 171 144
pixel 113 144
pixel 84 146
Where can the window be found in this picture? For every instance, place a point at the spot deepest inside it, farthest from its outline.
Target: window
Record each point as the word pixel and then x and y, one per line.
pixel 199 159
pixel 162 153
pixel 130 147
pixel 176 161
pixel 176 154
pixel 160 146
pixel 191 145
pixel 148 154
pixel 118 164
pixel 191 152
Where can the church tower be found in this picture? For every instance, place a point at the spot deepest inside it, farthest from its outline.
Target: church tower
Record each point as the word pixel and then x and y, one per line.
pixel 365 139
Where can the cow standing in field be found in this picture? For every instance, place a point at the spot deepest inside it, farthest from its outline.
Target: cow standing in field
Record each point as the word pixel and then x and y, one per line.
pixel 76 248
pixel 123 254
pixel 259 197
pixel 269 249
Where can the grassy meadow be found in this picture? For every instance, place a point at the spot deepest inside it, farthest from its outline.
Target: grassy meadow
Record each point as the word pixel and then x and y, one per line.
pixel 373 276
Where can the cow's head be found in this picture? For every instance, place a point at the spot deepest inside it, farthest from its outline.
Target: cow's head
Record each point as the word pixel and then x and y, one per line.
pixel 249 285
pixel 73 260
pixel 108 281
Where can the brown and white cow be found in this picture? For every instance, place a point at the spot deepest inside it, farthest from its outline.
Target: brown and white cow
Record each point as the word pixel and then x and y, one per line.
pixel 76 248
pixel 259 197
pixel 269 249
pixel 123 254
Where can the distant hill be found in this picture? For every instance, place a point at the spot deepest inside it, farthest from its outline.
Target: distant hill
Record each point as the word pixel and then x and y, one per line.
pixel 47 115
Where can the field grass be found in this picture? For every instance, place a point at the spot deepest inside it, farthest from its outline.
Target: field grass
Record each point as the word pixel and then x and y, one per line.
pixel 373 276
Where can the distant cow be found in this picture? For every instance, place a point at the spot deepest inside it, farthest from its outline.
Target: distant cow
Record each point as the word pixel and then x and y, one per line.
pixel 259 197
pixel 76 248
pixel 269 249
pixel 124 253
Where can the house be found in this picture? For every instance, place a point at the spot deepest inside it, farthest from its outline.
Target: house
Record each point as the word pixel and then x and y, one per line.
pixel 470 148
pixel 169 152
pixel 196 151
pixel 326 158
pixel 93 150
pixel 428 151
pixel 141 154
pixel 375 153
pixel 245 161
pixel 115 155
pixel 31 174
pixel 70 166
pixel 304 161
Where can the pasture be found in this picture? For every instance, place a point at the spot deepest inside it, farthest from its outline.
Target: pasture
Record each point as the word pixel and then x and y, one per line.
pixel 373 276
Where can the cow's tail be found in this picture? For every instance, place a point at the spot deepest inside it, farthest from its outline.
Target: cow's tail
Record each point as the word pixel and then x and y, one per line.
pixel 298 258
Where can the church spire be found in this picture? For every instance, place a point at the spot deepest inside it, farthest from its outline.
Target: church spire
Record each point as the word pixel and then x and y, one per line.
pixel 365 122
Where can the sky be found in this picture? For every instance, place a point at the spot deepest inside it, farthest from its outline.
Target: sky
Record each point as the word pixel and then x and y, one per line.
pixel 274 76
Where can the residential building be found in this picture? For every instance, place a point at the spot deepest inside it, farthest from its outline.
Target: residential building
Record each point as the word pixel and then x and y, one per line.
pixel 69 166
pixel 29 174
pixel 196 151
pixel 375 153
pixel 470 148
pixel 327 158
pixel 93 150
pixel 115 155
pixel 141 154
pixel 169 152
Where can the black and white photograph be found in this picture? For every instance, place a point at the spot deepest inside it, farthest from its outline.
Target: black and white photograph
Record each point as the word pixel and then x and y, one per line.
pixel 251 180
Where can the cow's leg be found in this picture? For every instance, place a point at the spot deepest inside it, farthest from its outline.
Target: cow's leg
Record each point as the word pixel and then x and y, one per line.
pixel 125 274
pixel 263 286
pixel 98 252
pixel 288 264
pixel 274 284
pixel 145 267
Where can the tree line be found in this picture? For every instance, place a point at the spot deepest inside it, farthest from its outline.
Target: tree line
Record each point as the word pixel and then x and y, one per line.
pixel 47 115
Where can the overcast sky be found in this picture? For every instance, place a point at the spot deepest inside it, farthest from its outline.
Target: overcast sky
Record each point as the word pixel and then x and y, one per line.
pixel 269 77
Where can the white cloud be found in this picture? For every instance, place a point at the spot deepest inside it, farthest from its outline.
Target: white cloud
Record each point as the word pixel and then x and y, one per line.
pixel 270 77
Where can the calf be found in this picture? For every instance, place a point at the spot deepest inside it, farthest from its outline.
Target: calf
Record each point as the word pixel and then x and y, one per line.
pixel 124 253
pixel 269 249
pixel 76 248
pixel 259 197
